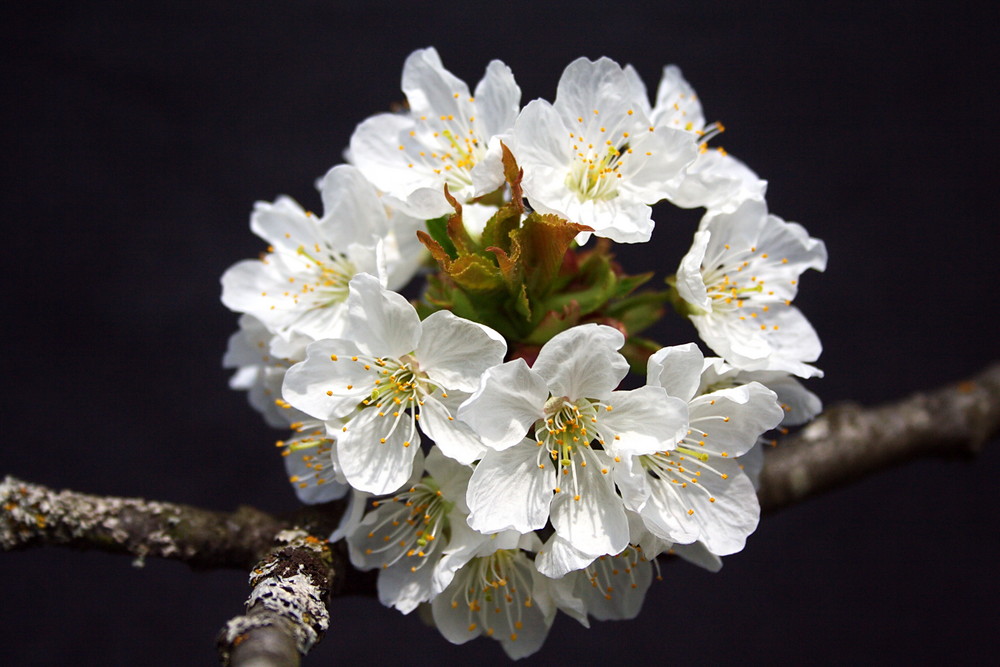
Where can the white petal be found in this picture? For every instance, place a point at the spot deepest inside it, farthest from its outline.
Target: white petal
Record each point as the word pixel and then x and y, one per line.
pixel 642 421
pixel 677 369
pixel 459 622
pixel 509 489
pixel 498 100
pixel 403 588
pixel 283 224
pixel 637 89
pixel 370 464
pixel 676 102
pixel 455 439
pixel 352 210
pixel 383 323
pixel 716 181
pixel 559 557
pixel 429 87
pixel 599 85
pixel 583 362
pixel 313 474
pixel 455 352
pixel 375 150
pixel 614 587
pixel 538 135
pixel 800 404
pixel 753 464
pixel 587 512
pixel 719 511
pixel 357 501
pixel 696 554
pixel 451 477
pixel 665 513
pixel 633 484
pixel 510 399
pixel 465 544
pixel 664 155
pixel 622 219
pixel 786 342
pixel 690 282
pixel 731 420
pixel 327 368
pixel 725 524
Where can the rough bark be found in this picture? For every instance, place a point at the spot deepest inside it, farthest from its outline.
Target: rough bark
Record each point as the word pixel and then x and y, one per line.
pixel 287 609
pixel 35 515
pixel 848 442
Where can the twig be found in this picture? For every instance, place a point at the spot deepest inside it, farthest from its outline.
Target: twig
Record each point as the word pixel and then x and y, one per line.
pixel 286 611
pixel 35 515
pixel 848 442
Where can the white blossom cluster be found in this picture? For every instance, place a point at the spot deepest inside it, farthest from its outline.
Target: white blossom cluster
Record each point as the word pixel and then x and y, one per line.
pixel 500 488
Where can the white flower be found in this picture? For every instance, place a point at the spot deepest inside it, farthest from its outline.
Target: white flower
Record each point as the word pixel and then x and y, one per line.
pixel 310 457
pixel 261 360
pixel 800 404
pixel 740 277
pixel 448 137
pixel 715 180
pixel 300 284
pixel 390 372
pixel 610 588
pixel 697 492
pixel 579 429
pixel 501 596
pixel 419 538
pixel 594 157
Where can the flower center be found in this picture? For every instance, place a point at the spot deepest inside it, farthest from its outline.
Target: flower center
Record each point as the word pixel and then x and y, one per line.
pixel 730 279
pixel 399 388
pixel 410 526
pixel 330 276
pixel 611 574
pixel 496 591
pixel 565 436
pixel 594 173
pixel 313 446
pixel 448 145
pixel 565 426
pixel 682 467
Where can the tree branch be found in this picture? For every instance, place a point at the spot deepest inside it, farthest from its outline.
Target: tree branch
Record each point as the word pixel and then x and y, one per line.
pixel 847 442
pixel 287 609
pixel 35 515
pixel 286 612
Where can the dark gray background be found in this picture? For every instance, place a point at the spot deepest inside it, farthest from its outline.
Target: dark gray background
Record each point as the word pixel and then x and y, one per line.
pixel 135 141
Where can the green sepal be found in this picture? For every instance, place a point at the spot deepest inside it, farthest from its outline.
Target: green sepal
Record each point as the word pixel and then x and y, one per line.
pixel 554 322
pixel 438 252
pixel 640 311
pixel 438 230
pixel 498 228
pixel 522 305
pixel 598 281
pixel 628 284
pixel 513 175
pixel 540 245
pixel 476 273
pixel 455 228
